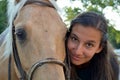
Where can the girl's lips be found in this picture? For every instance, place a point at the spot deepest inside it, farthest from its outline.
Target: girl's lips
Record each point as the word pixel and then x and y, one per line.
pixel 75 58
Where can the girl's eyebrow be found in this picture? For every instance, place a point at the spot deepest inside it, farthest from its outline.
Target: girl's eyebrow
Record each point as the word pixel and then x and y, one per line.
pixel 74 35
pixel 91 41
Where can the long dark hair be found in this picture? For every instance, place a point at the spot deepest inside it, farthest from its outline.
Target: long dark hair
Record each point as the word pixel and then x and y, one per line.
pixel 103 66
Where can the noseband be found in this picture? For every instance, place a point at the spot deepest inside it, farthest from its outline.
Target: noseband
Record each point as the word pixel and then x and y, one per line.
pixel 23 74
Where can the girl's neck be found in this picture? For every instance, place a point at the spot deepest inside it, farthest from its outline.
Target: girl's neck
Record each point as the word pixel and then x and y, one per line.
pixel 85 65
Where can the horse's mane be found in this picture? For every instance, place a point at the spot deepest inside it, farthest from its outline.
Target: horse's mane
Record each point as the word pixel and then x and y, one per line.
pixel 12 9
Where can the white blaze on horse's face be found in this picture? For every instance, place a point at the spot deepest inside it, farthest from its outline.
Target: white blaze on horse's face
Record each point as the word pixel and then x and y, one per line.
pixel 40 34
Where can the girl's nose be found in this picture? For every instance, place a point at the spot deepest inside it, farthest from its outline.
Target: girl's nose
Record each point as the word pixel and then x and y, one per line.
pixel 79 49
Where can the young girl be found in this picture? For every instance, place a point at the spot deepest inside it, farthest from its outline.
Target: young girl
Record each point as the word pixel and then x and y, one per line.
pixel 87 45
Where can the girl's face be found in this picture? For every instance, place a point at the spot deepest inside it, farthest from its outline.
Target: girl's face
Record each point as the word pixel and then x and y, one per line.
pixel 83 44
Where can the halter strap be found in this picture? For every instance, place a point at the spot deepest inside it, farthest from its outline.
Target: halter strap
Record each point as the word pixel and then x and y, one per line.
pixel 9 68
pixel 17 59
pixel 39 3
pixel 42 62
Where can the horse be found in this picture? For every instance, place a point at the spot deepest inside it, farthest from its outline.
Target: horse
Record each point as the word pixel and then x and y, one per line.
pixel 32 47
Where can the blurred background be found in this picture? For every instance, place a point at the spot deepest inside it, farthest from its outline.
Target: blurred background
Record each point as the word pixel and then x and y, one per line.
pixel 70 8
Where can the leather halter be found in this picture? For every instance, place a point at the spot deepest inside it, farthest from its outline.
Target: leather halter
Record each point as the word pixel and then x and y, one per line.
pixel 23 74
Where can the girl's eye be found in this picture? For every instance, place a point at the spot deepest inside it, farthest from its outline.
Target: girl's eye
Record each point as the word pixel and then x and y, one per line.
pixel 73 38
pixel 89 45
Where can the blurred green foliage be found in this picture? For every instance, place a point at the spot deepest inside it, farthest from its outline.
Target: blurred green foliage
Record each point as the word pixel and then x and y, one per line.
pixel 3 15
pixel 114 37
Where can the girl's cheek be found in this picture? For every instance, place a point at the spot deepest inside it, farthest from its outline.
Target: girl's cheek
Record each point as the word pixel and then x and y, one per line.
pixel 90 53
pixel 71 44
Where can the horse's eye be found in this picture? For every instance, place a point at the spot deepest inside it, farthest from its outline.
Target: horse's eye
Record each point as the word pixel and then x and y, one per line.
pixel 21 34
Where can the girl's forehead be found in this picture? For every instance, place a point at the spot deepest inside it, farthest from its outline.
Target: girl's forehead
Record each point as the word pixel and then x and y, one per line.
pixel 87 33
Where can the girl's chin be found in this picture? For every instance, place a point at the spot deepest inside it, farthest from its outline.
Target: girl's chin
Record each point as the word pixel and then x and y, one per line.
pixel 80 65
pixel 76 63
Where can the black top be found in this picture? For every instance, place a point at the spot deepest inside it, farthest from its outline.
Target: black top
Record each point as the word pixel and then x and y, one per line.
pixel 83 73
pixel 87 72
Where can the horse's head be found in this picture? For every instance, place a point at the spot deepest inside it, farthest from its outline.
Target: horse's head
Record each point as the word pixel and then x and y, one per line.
pixel 38 38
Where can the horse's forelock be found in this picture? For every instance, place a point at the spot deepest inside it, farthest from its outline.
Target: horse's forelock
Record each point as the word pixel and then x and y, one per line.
pixel 12 9
pixel 55 5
